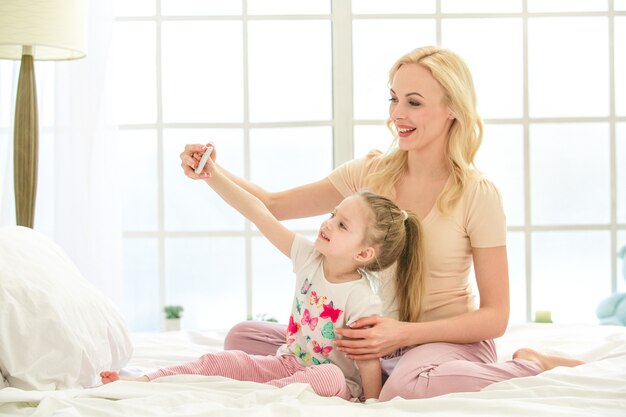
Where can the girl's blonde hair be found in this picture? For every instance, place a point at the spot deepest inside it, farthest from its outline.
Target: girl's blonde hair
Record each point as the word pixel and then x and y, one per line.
pixel 396 235
pixel 466 131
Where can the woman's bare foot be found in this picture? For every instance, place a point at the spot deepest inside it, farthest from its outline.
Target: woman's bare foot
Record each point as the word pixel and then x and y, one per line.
pixel 112 376
pixel 544 361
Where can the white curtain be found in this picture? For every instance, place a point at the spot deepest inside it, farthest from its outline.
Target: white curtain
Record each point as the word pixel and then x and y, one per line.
pixel 9 71
pixel 78 197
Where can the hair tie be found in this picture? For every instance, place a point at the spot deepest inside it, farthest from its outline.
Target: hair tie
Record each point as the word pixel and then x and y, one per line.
pixel 405 215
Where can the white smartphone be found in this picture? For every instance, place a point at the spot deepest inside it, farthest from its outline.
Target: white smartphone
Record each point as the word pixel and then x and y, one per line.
pixel 204 159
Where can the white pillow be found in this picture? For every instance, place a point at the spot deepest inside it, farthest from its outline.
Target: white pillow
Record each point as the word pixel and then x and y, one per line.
pixel 57 330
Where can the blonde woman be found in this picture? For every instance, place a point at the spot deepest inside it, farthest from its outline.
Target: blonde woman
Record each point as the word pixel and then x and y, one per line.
pixel 434 341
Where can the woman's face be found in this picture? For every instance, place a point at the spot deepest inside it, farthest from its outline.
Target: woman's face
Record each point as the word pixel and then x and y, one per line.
pixel 417 109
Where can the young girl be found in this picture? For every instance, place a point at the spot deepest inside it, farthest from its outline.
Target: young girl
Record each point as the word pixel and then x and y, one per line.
pixel 365 232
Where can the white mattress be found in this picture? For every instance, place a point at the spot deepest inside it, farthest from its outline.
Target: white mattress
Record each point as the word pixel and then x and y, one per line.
pixel 597 388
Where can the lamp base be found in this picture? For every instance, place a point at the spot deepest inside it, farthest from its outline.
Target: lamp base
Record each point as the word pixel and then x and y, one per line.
pixel 26 143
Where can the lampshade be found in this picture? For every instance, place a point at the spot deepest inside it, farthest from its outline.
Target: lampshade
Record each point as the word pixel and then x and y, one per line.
pixel 55 29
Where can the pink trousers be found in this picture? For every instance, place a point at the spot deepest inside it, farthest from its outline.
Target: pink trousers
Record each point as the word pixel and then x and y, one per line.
pixel 424 371
pixel 326 380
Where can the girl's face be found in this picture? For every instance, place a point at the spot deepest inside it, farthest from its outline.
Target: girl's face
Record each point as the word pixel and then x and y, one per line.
pixel 417 109
pixel 343 234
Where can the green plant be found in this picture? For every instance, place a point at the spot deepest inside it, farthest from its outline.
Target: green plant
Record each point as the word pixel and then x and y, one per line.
pixel 173 312
pixel 264 317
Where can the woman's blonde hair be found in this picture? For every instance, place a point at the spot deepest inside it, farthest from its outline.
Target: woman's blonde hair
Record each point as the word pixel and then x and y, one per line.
pixel 396 235
pixel 466 131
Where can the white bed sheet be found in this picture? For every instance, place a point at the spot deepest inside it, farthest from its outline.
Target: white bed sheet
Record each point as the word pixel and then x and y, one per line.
pixel 597 388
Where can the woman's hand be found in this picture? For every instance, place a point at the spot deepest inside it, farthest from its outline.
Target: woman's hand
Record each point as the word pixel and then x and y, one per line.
pixel 190 157
pixel 371 337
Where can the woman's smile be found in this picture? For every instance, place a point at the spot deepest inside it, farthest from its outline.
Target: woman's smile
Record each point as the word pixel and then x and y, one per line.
pixel 405 131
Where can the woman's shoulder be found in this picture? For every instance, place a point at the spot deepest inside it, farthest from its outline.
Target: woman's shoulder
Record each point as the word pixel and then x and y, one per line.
pixel 482 212
pixel 481 199
pixel 370 162
pixel 479 191
pixel 479 185
pixel 350 176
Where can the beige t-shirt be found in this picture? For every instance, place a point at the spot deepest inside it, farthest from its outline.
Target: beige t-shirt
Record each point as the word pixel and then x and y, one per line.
pixel 477 221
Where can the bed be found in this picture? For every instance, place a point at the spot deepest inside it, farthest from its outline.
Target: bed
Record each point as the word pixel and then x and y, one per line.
pixel 597 388
pixel 57 332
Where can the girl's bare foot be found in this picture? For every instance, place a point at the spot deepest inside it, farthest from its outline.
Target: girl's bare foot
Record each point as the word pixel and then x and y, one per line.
pixel 112 376
pixel 544 361
pixel 109 376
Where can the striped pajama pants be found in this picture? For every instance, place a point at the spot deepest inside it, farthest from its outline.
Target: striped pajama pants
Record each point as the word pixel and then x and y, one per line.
pixel 327 380
pixel 424 371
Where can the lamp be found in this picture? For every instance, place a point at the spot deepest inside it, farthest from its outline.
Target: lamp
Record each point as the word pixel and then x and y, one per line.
pixel 41 30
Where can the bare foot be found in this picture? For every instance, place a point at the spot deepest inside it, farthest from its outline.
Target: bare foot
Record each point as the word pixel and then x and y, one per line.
pixel 112 376
pixel 544 361
pixel 109 376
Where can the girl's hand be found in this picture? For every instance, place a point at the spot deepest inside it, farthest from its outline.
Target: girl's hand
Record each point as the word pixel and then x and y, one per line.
pixel 190 157
pixel 371 337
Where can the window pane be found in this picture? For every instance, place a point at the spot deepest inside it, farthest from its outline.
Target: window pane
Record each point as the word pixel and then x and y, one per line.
pixel 621 171
pixel 135 7
pixel 371 137
pixel 570 173
pixel 141 284
pixel 499 87
pixel 501 159
pixel 290 75
pixel 293 7
pixel 202 71
pixel 193 205
pixel 138 162
pixel 377 44
pixel 481 6
pixel 571 274
pixel 566 5
pixel 619 4
pixel 273 281
pixel 207 277
pixel 392 6
pixel 200 8
pixel 289 157
pixel 517 276
pixel 557 64
pixel 135 72
pixel 620 65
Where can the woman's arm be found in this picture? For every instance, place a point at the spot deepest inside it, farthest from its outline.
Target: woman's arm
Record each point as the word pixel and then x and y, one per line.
pixel 308 200
pixel 489 321
pixel 371 377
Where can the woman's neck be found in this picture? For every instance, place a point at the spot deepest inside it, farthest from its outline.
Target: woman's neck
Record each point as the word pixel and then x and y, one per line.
pixel 427 166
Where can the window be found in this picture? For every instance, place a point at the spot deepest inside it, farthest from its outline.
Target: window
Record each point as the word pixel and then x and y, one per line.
pixel 193 72
pixel 302 84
